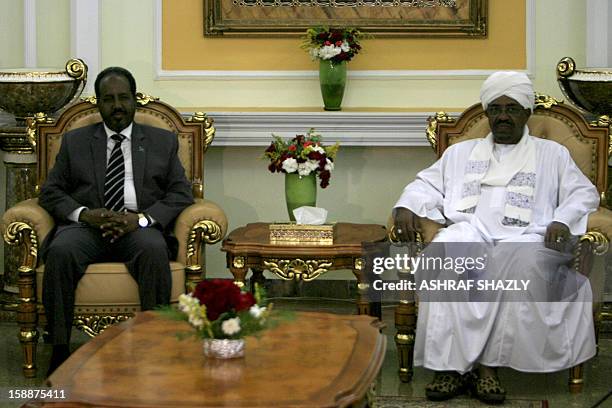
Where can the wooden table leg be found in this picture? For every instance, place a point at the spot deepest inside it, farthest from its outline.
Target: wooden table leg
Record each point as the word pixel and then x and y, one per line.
pixel 237 266
pixel 258 278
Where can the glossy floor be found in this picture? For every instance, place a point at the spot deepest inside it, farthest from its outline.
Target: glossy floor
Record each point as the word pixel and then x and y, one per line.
pixel 551 387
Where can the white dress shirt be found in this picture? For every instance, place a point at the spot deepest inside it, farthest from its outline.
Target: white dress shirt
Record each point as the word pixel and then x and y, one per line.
pixel 129 192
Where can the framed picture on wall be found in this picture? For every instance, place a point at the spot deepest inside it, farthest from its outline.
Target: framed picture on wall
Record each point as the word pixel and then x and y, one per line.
pixel 382 18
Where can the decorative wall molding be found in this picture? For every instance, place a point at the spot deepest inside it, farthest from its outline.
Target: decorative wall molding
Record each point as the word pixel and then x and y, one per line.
pixel 349 128
pixel 30 52
pixel 162 74
pixel 389 75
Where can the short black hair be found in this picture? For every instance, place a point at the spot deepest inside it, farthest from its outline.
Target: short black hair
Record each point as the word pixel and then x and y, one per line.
pixel 115 71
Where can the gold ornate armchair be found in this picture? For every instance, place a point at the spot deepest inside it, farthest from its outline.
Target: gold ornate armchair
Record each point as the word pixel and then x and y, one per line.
pixel 589 145
pixel 107 293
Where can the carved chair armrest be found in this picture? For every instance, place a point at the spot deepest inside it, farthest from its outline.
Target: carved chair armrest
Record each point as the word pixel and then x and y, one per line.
pixel 27 224
pixel 596 241
pixel 203 221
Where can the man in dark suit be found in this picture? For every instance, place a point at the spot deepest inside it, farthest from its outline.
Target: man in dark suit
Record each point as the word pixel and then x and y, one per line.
pixel 114 193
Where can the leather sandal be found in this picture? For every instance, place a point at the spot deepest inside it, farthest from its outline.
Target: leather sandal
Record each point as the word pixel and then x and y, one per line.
pixel 445 385
pixel 489 390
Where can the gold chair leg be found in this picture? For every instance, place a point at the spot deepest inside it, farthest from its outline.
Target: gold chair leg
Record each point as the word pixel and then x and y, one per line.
pixel 575 379
pixel 29 340
pixel 405 324
pixel 363 287
pixel 27 318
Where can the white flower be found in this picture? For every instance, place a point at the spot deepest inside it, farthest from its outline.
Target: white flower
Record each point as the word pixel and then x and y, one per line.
pixel 314 53
pixel 290 165
pixel 304 169
pixel 319 149
pixel 313 165
pixel 329 166
pixel 187 303
pixel 257 311
pixel 196 321
pixel 313 133
pixel 345 46
pixel 329 51
pixel 231 326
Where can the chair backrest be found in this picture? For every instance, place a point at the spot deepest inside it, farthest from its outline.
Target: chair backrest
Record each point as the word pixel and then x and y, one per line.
pixel 587 143
pixel 194 134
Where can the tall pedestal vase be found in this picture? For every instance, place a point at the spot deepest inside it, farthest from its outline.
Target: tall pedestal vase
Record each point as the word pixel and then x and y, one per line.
pixel 300 191
pixel 332 77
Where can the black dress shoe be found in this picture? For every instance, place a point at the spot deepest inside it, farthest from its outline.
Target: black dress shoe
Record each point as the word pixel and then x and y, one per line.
pixel 61 352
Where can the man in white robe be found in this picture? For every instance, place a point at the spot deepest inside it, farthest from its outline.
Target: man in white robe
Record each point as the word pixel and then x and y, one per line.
pixel 507 187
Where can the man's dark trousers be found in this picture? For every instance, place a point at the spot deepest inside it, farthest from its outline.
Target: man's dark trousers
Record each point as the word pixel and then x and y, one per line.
pixel 75 246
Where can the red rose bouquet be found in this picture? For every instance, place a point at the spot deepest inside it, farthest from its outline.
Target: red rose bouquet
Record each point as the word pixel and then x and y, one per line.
pixel 218 309
pixel 303 154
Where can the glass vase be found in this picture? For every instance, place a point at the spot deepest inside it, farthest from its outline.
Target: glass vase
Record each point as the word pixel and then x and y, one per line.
pixel 300 191
pixel 224 348
pixel 332 78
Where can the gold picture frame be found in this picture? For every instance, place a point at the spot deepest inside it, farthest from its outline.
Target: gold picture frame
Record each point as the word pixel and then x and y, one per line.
pixel 281 18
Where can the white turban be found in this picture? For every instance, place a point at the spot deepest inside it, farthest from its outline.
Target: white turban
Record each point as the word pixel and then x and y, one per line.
pixel 515 85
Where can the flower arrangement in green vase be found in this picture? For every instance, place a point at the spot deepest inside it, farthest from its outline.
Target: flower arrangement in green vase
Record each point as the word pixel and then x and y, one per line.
pixel 301 159
pixel 333 47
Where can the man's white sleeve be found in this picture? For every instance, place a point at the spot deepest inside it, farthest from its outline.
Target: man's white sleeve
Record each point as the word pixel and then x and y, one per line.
pixel 74 216
pixel 425 195
pixel 577 196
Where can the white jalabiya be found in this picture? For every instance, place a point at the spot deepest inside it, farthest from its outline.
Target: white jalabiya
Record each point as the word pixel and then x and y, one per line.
pixel 527 336
pixel 517 172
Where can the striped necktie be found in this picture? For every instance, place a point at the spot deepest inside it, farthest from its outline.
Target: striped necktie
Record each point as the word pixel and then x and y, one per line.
pixel 115 177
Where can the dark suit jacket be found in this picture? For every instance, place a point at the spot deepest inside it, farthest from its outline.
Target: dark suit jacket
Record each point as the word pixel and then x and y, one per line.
pixel 77 179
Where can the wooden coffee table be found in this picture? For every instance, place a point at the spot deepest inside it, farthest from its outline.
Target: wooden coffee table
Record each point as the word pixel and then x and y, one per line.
pixel 316 360
pixel 249 247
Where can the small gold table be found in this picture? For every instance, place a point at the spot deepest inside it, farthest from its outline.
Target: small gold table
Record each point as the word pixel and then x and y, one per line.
pixel 249 247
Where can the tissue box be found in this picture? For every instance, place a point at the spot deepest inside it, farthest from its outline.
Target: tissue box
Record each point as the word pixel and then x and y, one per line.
pixel 302 234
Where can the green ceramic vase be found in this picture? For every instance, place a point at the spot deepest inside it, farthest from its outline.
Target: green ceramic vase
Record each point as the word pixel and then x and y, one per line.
pixel 332 77
pixel 300 191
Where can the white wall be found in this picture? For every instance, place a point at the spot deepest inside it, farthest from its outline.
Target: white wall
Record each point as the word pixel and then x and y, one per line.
pixel 11 32
pixel 53 32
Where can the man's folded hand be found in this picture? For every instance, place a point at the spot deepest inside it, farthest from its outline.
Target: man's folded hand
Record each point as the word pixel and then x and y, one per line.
pixel 557 236
pixel 405 223
pixel 95 218
pixel 119 224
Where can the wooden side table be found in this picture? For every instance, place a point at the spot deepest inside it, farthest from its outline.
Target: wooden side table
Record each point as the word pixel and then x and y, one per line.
pixel 249 248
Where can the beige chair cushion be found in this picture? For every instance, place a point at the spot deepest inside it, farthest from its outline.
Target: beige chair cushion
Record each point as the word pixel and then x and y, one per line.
pixel 111 284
